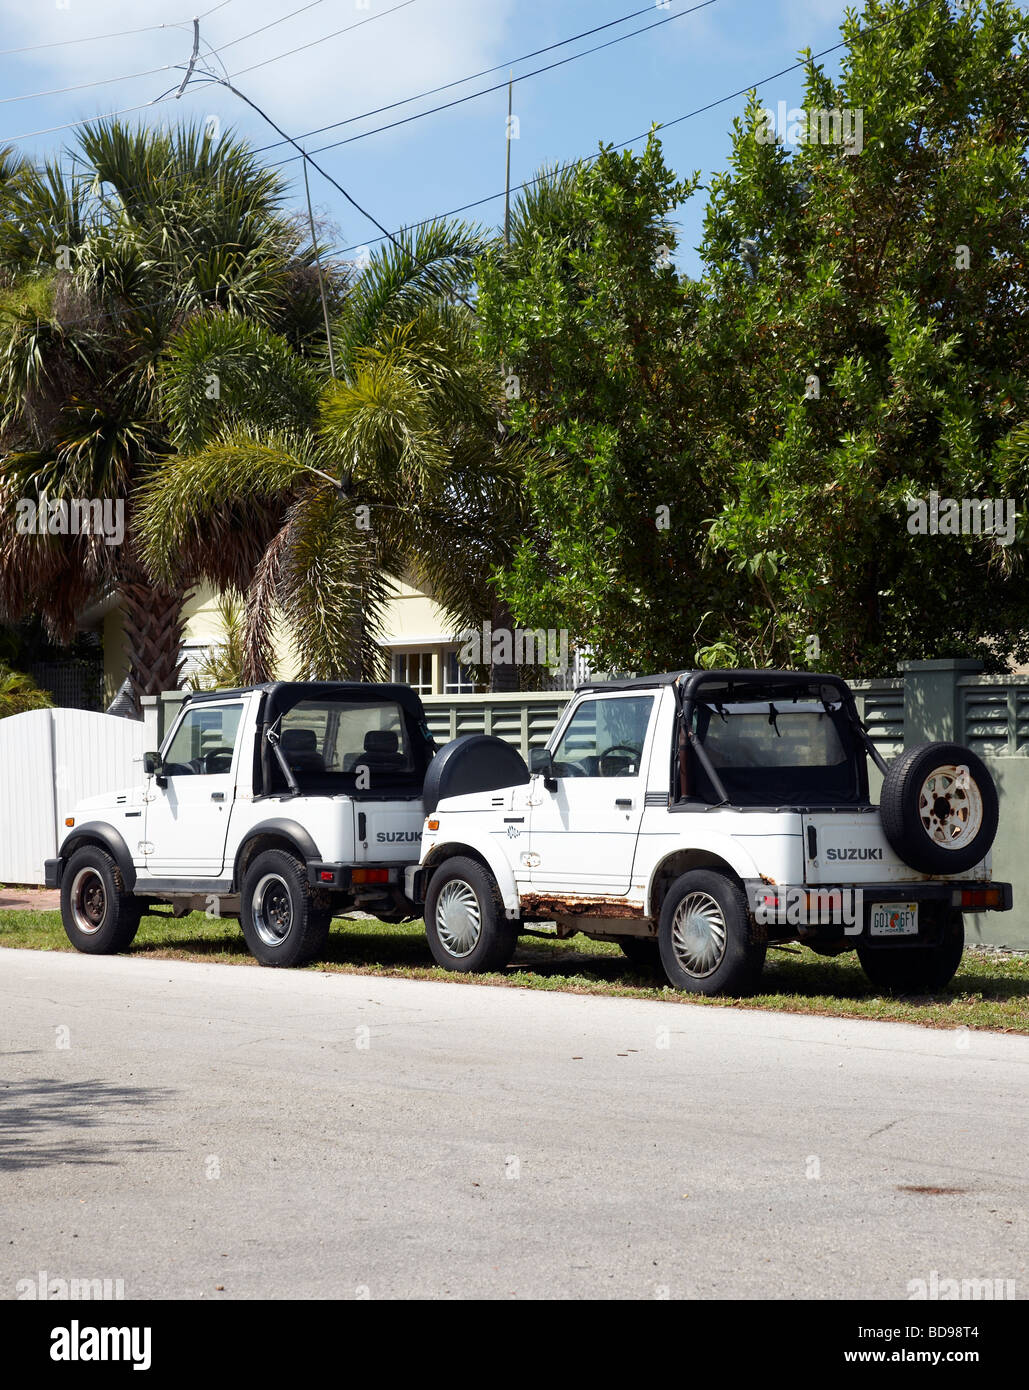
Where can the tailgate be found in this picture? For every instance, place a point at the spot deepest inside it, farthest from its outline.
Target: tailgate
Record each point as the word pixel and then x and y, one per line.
pixel 388 832
pixel 844 847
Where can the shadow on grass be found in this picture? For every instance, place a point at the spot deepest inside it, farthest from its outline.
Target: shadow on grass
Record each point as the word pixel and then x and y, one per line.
pixel 368 944
pixel 45 1122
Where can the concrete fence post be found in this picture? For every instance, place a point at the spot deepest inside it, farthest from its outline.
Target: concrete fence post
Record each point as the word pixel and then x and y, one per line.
pixel 933 707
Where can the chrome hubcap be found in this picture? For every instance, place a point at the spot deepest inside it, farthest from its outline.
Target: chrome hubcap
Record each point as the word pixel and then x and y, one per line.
pixel 273 910
pixel 88 902
pixel 950 807
pixel 458 918
pixel 699 934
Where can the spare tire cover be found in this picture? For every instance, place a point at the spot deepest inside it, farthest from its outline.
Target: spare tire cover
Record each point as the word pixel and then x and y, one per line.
pixel 939 808
pixel 472 763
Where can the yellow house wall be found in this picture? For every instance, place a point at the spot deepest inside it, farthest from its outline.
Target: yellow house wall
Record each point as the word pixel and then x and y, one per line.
pixel 411 619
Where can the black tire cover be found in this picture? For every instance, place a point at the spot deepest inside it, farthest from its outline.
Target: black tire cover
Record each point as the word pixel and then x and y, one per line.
pixel 472 763
pixel 920 833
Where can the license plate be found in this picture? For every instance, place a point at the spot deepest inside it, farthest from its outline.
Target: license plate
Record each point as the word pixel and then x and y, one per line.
pixel 894 919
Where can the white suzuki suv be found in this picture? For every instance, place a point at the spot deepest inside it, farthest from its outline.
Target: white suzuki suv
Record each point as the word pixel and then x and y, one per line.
pixel 694 818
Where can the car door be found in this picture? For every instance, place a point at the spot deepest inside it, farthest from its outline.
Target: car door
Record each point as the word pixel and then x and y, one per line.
pixel 187 819
pixel 582 836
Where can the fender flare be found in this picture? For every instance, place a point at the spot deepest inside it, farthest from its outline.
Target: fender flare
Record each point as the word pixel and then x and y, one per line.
pixel 112 841
pixel 497 865
pixel 721 847
pixel 287 830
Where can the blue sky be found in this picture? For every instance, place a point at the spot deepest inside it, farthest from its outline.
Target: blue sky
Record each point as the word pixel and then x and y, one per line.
pixel 429 165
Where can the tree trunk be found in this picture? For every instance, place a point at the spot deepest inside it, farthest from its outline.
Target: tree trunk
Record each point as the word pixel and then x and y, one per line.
pixel 504 675
pixel 153 634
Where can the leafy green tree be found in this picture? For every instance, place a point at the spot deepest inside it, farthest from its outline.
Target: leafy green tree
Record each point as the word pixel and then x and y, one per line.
pixel 588 318
pixel 858 341
pixel 867 311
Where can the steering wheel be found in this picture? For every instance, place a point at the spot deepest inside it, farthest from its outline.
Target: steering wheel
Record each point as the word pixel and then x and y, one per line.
pixel 212 754
pixel 615 748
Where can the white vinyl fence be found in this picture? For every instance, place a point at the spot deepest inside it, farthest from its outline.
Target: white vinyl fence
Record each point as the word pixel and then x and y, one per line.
pixel 49 760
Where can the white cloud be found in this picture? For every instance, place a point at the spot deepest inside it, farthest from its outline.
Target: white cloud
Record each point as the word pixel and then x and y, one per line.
pixel 427 43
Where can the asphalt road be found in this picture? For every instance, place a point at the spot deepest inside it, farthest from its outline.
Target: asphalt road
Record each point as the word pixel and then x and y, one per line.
pixel 322 1135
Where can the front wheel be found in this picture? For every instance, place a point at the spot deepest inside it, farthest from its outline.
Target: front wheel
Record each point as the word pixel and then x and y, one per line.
pixel 280 923
pixel 464 919
pixel 917 969
pixel 99 916
pixel 709 943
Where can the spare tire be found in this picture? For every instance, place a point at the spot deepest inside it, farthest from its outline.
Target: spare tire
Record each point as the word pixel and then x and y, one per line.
pixel 472 763
pixel 939 808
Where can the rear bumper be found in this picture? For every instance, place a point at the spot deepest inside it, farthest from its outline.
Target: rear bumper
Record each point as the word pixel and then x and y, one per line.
pixel 343 878
pixel 834 912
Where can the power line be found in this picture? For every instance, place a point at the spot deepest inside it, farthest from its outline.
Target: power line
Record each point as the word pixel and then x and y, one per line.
pixel 590 159
pixel 96 38
pixel 315 42
pixel 386 234
pixel 68 125
pixel 485 91
pixel 243 37
pixel 471 77
pixel 81 86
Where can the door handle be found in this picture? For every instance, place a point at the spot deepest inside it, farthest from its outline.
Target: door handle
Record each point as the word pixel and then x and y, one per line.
pixel 625 802
pixel 217 796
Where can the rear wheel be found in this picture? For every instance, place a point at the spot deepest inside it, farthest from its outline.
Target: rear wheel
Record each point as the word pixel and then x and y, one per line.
pixel 464 918
pixel 917 969
pixel 280 922
pixel 708 942
pixel 99 916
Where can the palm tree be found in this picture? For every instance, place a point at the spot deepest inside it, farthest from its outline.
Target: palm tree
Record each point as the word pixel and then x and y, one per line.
pixel 101 272
pixel 19 693
pixel 398 466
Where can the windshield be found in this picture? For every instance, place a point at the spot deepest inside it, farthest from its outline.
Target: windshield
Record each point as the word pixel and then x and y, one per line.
pixel 766 754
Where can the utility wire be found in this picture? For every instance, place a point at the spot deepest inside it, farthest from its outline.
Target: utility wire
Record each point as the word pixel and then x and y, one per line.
pixel 471 77
pixel 590 159
pixel 500 86
pixel 243 37
pixel 95 38
pixel 68 125
pixel 386 234
pixel 315 42
pixel 81 86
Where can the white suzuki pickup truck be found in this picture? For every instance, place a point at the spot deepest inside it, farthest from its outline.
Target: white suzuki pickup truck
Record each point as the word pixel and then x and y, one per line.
pixel 282 804
pixel 697 817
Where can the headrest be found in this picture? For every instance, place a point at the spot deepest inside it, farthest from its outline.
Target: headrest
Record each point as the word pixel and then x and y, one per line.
pixel 381 741
pixel 299 741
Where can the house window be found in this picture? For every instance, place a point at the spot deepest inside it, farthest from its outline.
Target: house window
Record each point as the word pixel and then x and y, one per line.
pixel 458 679
pixel 414 669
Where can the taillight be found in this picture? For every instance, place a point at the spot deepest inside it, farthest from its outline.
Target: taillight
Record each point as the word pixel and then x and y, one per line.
pixel 370 876
pixel 981 898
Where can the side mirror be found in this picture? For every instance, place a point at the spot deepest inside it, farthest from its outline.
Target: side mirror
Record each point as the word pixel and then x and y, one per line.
pixel 153 765
pixel 542 760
